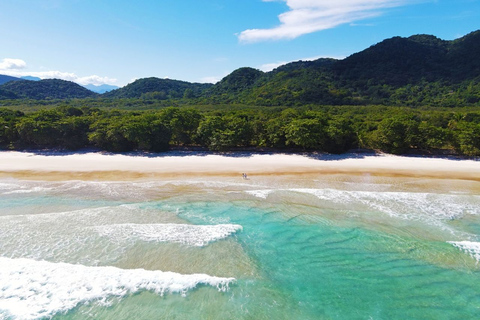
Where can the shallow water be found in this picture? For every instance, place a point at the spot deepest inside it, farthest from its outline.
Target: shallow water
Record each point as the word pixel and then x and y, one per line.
pixel 298 247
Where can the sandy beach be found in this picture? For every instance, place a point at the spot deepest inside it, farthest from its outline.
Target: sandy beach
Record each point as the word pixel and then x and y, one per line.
pixel 134 229
pixel 95 165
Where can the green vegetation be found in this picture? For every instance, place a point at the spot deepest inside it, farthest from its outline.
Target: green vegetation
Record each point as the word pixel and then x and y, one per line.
pixel 5 79
pixel 327 129
pixel 44 90
pixel 159 89
pixel 418 94
pixel 420 70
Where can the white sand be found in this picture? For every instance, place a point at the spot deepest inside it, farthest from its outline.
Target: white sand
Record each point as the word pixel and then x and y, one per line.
pixel 256 164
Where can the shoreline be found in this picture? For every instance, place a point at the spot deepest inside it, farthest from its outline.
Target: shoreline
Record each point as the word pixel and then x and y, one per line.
pixel 104 166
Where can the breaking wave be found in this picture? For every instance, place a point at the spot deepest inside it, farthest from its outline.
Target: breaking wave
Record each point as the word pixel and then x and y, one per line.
pixel 469 247
pixel 193 235
pixel 38 289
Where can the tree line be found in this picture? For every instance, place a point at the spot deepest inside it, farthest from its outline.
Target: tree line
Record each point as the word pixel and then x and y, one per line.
pixel 325 129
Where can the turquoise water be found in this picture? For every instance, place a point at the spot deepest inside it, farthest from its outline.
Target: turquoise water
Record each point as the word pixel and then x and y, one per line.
pixel 335 247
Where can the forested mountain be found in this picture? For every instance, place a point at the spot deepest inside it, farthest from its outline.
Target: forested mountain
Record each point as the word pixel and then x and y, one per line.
pixel 295 83
pixel 414 71
pixel 236 82
pixel 417 70
pixel 387 78
pixel 5 79
pixel 159 89
pixel 45 89
pixel 6 94
pixel 401 61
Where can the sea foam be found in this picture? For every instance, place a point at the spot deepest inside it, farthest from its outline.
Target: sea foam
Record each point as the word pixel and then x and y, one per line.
pixel 469 247
pixel 433 209
pixel 32 289
pixel 108 189
pixel 403 204
pixel 193 235
pixel 407 205
pixel 261 193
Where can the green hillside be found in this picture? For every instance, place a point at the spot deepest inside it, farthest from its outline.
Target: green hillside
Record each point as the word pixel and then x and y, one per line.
pixel 421 70
pixel 235 83
pixel 5 79
pixel 6 94
pixel 418 70
pixel 46 89
pixel 160 89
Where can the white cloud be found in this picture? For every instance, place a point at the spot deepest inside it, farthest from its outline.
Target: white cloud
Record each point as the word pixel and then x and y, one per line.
pixel 307 16
pixel 15 68
pixel 210 79
pixel 12 64
pixel 95 80
pixel 270 66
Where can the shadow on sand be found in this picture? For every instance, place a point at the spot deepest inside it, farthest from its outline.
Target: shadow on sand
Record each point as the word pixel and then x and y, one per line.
pixel 353 154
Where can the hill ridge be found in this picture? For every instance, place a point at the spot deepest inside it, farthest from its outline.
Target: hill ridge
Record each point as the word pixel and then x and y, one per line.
pixel 420 69
pixel 46 89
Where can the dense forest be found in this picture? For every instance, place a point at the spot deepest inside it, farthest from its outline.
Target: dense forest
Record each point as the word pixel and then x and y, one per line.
pixel 326 129
pixel 419 94
pixel 47 89
pixel 420 70
pixel 416 71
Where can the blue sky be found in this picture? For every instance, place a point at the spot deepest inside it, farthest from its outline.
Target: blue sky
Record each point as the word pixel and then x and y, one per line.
pixel 118 41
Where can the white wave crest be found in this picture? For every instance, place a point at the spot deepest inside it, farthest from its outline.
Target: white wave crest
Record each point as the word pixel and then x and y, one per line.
pixel 13 187
pixel 263 194
pixel 32 289
pixel 427 207
pixel 408 205
pixel 8 186
pixel 32 190
pixel 109 189
pixel 430 208
pixel 193 235
pixel 469 247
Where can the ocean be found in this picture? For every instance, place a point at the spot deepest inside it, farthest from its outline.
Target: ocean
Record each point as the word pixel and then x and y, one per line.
pixel 333 246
